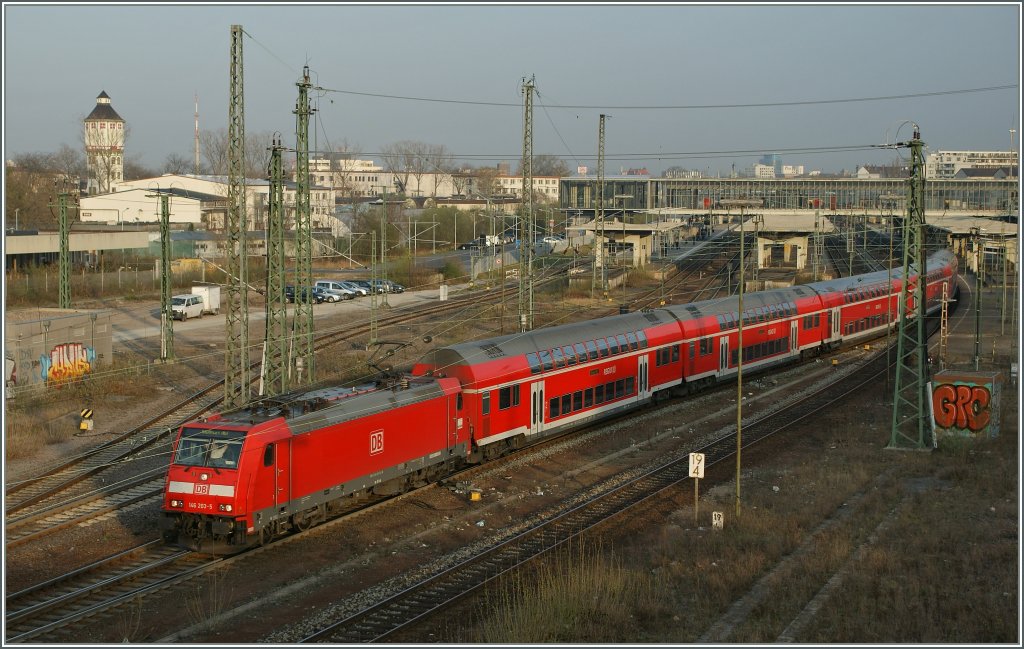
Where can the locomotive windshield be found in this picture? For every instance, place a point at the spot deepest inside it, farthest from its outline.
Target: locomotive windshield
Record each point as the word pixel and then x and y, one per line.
pixel 206 447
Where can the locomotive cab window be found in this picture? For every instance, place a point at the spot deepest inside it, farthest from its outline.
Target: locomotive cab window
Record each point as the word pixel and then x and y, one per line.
pixel 213 448
pixel 268 455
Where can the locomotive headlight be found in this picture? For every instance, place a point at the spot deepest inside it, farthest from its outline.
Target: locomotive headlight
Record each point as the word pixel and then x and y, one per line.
pixel 176 503
pixel 225 508
pixel 204 476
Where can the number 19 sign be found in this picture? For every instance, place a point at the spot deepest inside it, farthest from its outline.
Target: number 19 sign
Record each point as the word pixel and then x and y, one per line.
pixel 696 472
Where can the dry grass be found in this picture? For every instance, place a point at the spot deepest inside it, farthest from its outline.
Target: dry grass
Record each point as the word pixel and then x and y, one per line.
pixel 578 595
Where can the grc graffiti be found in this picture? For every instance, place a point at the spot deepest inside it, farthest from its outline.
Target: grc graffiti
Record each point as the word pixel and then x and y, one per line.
pixel 962 406
pixel 67 362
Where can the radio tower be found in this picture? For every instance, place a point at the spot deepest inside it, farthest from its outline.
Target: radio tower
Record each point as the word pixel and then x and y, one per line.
pixel 911 418
pixel 236 361
pixel 526 224
pixel 197 135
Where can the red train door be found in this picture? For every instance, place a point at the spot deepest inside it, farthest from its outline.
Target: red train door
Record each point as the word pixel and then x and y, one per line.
pixel 643 386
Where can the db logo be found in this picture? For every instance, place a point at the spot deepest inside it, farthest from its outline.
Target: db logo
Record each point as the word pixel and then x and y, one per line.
pixel 203 489
pixel 376 442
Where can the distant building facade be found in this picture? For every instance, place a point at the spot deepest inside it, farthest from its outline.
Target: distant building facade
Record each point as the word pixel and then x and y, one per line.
pixel 104 146
pixel 946 164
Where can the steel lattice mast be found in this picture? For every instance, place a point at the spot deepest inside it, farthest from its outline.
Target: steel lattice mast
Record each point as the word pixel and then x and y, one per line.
pixel 599 216
pixel 303 236
pixel 526 222
pixel 911 419
pixel 64 258
pixel 275 365
pixel 236 363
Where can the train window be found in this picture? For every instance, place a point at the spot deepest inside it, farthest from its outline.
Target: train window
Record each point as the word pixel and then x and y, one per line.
pixel 609 390
pixel 721 322
pixel 631 338
pixel 588 397
pixel 806 322
pixel 485 403
pixel 735 357
pixel 771 311
pixel 613 345
pixel 602 346
pixel 581 352
pixel 630 383
pixel 458 401
pixel 620 388
pixel 577 400
pixel 566 404
pixel 559 358
pixel 570 355
pixel 675 353
pixel 534 362
pixel 642 338
pixel 599 394
pixel 592 350
pixel 817 319
pixel 545 358
pixel 553 411
pixel 268 455
pixel 623 343
pixel 508 397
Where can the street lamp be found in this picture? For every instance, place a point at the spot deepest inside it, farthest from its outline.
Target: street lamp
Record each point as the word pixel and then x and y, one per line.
pixel 742 203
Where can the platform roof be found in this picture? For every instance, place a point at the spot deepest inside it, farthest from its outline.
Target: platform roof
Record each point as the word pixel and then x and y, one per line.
pixel 963 224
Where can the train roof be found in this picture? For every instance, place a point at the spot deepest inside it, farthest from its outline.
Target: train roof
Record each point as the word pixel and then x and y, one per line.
pixel 489 349
pixel 313 409
pixel 730 304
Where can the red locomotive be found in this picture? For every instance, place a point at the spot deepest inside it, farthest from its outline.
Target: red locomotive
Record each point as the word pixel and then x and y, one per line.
pixel 289 462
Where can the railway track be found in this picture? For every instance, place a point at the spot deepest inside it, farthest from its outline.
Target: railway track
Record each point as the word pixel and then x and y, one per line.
pixel 404 609
pixel 49 611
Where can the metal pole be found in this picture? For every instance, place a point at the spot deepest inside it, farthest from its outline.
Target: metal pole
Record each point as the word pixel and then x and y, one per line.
pixel 739 371
pixel 977 298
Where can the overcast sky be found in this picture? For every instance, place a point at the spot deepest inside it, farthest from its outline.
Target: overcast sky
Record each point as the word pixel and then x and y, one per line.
pixel 622 60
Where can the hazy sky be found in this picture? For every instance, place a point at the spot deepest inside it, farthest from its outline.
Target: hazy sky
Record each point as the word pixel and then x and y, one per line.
pixel 621 60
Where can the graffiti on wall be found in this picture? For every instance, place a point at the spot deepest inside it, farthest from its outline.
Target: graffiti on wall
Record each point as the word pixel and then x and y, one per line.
pixel 66 362
pixel 965 404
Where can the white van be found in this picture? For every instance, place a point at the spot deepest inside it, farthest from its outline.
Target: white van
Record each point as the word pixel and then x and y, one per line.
pixel 188 306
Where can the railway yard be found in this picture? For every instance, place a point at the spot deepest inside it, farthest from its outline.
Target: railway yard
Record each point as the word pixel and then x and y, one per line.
pixel 588 537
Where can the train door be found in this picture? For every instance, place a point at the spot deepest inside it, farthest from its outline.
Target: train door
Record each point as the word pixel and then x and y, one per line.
pixel 536 407
pixel 794 341
pixel 642 382
pixel 723 356
pixel 834 322
pixel 284 476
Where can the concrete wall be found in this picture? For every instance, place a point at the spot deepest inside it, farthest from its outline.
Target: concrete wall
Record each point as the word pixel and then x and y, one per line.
pixel 61 345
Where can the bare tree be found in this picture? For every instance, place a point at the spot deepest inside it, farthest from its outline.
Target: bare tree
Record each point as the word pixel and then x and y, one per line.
pixel 177 164
pixel 547 165
pixel 70 162
pixel 215 145
pixel 400 161
pixel 441 163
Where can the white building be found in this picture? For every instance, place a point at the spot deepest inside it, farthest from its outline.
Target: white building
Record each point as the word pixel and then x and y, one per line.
pixel 544 187
pixel 946 164
pixel 104 146
pixel 763 170
pixel 321 199
pixel 142 206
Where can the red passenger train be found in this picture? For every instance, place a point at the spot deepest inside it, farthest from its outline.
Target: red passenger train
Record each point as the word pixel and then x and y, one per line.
pixel 289 462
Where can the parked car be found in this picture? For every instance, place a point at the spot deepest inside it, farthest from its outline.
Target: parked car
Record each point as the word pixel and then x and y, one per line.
pixel 306 294
pixel 387 286
pixel 355 288
pixel 469 245
pixel 334 290
pixel 553 240
pixel 186 306
pixel 362 283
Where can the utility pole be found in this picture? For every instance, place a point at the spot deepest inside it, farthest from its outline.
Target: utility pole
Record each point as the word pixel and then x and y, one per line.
pixel 304 358
pixel 742 204
pixel 911 414
pixel 976 240
pixel 236 361
pixel 526 224
pixel 818 252
pixel 166 315
pixel 384 248
pixel 599 217
pixel 276 364
pixel 373 288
